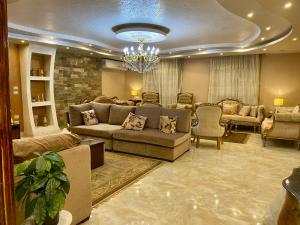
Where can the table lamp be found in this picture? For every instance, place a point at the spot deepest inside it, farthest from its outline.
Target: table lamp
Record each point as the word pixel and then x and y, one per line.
pixel 134 93
pixel 278 102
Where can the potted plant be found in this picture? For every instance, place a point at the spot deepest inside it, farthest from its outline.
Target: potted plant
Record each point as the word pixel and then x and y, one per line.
pixel 43 187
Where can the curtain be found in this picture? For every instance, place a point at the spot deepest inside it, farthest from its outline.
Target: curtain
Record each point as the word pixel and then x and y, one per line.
pixel 235 77
pixel 166 79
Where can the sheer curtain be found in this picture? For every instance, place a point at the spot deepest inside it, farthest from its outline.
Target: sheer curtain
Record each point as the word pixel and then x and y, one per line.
pixel 235 77
pixel 166 80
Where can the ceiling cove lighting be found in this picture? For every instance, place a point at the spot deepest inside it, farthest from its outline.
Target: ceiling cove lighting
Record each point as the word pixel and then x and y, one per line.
pixel 141 58
pixel 288 5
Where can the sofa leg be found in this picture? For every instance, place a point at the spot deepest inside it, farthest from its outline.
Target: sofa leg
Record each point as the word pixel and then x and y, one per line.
pixel 218 143
pixel 198 142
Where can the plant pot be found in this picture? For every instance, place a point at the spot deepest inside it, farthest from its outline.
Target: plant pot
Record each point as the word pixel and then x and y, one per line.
pixel 50 221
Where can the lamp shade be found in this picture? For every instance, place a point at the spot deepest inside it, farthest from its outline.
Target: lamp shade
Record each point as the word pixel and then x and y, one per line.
pixel 278 101
pixel 134 92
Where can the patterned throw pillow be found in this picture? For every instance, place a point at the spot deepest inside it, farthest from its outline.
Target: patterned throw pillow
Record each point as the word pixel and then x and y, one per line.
pixel 168 124
pixel 180 106
pixel 230 109
pixel 134 122
pixel 245 110
pixel 89 117
pixel 253 111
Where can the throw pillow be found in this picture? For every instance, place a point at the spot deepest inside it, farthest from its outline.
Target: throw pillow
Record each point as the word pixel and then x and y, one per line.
pixel 89 117
pixel 253 112
pixel 245 110
pixel 296 109
pixel 230 109
pixel 168 124
pixel 180 106
pixel 134 122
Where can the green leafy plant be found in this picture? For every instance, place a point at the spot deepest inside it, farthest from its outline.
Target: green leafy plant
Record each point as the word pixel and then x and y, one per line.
pixel 43 187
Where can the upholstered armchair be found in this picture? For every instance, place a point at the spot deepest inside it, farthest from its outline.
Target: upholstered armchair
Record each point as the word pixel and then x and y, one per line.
pixel 184 101
pixel 208 124
pixel 284 124
pixel 150 98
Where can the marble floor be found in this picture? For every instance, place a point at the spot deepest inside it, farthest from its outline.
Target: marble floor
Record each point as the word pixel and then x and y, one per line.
pixel 233 186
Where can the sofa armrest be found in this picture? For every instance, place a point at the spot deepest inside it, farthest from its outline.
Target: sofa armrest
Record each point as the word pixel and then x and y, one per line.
pixel 78 170
pixel 261 113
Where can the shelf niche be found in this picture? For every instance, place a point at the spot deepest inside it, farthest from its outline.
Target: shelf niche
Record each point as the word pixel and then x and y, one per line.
pixel 37 76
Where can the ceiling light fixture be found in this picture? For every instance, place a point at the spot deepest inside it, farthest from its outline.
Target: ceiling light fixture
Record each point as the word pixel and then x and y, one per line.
pixel 288 5
pixel 91 53
pixel 295 39
pixel 268 28
pixel 52 38
pixel 23 41
pixel 137 58
pixel 189 56
pixel 264 49
pixel 67 48
pixel 90 45
pixel 262 38
pixel 221 53
pixel 250 15
pixel 170 53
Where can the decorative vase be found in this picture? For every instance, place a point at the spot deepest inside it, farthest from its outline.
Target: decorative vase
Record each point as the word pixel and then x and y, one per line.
pixel 50 221
pixel 45 121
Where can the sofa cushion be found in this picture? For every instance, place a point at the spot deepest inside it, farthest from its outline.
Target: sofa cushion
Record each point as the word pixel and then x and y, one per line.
pixel 248 119
pixel 134 122
pixel 230 109
pixel 152 136
pixel 183 123
pixel 89 117
pixel 167 124
pixel 287 117
pixel 152 114
pixel 254 111
pixel 118 114
pixel 75 113
pixel 103 130
pixel 102 111
pixel 24 148
pixel 245 110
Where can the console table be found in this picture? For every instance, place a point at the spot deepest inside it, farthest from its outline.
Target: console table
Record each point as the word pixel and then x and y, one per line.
pixel 290 211
pixel 15 131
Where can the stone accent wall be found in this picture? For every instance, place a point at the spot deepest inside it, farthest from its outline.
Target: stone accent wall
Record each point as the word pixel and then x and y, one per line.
pixel 77 77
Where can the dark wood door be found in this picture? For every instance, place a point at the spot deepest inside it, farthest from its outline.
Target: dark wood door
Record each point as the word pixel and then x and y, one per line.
pixel 7 208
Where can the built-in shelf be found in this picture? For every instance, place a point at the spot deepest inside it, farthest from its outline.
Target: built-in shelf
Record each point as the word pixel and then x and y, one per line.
pixel 36 78
pixel 39 104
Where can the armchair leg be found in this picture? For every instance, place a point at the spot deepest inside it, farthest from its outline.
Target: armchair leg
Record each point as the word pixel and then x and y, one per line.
pixel 218 143
pixel 264 140
pixel 198 142
pixel 222 140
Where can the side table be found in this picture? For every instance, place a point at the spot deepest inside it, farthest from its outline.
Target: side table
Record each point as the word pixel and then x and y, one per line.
pixel 97 151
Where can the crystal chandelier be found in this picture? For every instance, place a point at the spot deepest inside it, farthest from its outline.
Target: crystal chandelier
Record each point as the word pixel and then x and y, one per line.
pixel 141 60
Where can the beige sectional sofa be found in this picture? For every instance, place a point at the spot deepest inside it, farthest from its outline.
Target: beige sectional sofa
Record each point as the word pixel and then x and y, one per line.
pixel 148 142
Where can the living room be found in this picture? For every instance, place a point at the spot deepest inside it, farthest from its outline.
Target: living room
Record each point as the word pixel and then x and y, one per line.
pixel 132 118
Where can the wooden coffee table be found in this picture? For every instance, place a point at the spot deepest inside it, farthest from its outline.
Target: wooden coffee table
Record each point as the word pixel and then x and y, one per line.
pixel 97 150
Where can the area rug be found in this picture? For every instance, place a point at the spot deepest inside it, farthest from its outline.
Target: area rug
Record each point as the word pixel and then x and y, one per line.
pixel 119 170
pixel 240 138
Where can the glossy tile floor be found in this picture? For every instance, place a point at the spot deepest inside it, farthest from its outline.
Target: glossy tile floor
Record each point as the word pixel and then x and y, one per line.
pixel 233 186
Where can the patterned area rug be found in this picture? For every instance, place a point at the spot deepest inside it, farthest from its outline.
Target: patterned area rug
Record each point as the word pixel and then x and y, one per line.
pixel 240 138
pixel 119 170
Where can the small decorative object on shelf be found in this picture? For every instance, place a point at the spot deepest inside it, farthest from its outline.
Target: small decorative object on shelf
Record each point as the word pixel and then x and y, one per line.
pixel 43 187
pixel 33 99
pixel 32 72
pixel 36 120
pixel 41 72
pixel 42 97
pixel 45 121
pixel 38 98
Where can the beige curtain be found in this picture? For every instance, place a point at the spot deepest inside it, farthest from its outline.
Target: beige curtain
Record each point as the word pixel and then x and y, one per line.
pixel 166 79
pixel 235 77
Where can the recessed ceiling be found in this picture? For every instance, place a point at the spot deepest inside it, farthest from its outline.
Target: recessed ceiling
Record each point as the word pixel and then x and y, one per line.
pixel 209 25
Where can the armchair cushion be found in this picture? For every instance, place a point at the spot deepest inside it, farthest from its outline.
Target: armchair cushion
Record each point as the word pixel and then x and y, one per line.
pixel 253 111
pixel 245 110
pixel 230 109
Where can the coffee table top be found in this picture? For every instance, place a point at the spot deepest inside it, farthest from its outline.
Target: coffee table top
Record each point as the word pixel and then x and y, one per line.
pixel 90 141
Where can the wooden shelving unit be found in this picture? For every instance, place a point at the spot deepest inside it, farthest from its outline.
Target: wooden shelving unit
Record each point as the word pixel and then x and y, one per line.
pixel 37 76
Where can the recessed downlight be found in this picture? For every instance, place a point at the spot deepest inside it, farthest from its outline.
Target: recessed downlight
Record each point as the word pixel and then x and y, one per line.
pixel 268 28
pixel 264 49
pixel 221 53
pixel 23 41
pixel 295 39
pixel 189 56
pixel 262 38
pixel 91 53
pixel 67 48
pixel 199 49
pixel 52 38
pixel 110 50
pixel 288 5
pixel 90 45
pixel 250 15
